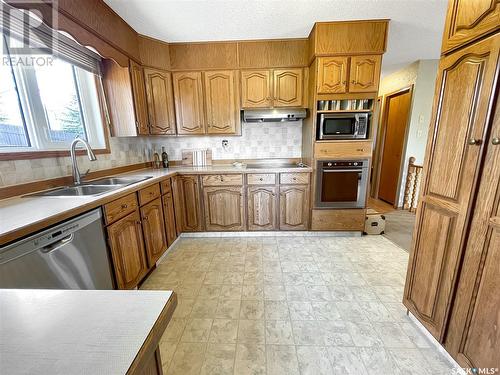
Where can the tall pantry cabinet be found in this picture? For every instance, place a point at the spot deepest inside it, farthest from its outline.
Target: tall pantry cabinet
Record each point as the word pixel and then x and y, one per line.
pixel 453 278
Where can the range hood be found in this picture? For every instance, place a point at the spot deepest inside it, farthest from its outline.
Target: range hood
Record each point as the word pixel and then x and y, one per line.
pixel 274 115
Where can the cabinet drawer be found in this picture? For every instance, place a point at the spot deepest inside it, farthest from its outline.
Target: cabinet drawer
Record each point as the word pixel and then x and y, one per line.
pixel 120 208
pixel 261 179
pixel 222 179
pixel 341 150
pixel 294 178
pixel 338 220
pixel 166 186
pixel 148 194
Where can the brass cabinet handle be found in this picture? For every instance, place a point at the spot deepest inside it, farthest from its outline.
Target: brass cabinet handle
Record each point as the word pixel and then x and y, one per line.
pixel 138 222
pixel 474 142
pixel 353 82
pixel 495 141
pixel 124 206
pixel 145 218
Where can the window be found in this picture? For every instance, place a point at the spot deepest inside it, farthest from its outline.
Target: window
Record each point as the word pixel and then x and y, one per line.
pixel 45 106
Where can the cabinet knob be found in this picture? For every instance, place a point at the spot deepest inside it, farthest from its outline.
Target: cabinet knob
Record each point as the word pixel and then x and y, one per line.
pixel 344 82
pixel 124 206
pixel 138 222
pixel 353 82
pixel 261 179
pixel 495 141
pixel 474 142
pixel 295 178
pixel 145 218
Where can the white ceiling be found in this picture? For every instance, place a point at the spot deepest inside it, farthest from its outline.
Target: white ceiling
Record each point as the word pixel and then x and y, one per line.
pixel 415 29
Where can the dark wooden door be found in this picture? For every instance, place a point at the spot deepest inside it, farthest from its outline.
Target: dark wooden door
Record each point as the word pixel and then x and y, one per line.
pixel 397 112
pixel 453 157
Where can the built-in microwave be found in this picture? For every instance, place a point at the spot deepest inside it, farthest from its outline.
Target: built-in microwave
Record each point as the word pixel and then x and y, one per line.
pixel 347 125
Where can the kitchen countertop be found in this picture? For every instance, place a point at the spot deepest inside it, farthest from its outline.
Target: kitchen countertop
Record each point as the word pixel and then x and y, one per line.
pixel 79 331
pixel 21 216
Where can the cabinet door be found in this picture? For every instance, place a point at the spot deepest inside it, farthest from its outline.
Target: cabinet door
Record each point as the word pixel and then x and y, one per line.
pixel 224 208
pixel 262 208
pixel 127 250
pixel 221 102
pixel 139 96
pixel 256 89
pixel 294 207
pixel 471 338
pixel 453 156
pixel 332 75
pixel 153 225
pixel 288 87
pixel 169 213
pixel 364 73
pixel 160 102
pixel 188 96
pixel 468 20
pixel 187 204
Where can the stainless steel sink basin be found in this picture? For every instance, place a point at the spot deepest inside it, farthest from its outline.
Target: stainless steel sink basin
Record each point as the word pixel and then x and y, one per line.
pixel 123 181
pixel 77 191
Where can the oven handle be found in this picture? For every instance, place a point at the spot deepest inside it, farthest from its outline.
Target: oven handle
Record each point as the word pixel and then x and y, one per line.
pixel 342 170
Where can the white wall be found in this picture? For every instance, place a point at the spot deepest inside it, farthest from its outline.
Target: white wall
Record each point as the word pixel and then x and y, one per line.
pixel 422 74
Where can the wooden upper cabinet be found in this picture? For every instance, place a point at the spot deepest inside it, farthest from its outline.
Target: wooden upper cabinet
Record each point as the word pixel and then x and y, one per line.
pixel 139 96
pixel 288 87
pixel 364 73
pixel 187 203
pixel 294 207
pixel 224 208
pixel 256 89
pixel 160 102
pixel 332 75
pixel 467 20
pixel 153 226
pixel 188 95
pixel 127 250
pixel 221 102
pixel 463 90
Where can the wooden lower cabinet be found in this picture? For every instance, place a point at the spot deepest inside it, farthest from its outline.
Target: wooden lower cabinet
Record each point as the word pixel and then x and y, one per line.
pixel 127 250
pixel 294 207
pixel 338 220
pixel 169 213
pixel 187 206
pixel 261 208
pixel 154 230
pixel 224 208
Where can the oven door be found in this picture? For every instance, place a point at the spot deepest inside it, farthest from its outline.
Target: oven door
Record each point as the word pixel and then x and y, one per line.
pixel 341 126
pixel 341 188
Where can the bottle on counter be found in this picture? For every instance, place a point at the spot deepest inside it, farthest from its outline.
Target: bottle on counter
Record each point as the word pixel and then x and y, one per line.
pixel 156 160
pixel 164 158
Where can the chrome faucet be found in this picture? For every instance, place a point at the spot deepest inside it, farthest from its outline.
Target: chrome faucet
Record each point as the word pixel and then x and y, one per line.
pixel 77 177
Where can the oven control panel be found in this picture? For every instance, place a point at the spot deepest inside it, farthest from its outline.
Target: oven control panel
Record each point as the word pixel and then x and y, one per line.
pixel 343 163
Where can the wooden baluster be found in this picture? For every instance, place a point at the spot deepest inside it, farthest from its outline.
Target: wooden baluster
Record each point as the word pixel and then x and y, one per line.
pixel 410 182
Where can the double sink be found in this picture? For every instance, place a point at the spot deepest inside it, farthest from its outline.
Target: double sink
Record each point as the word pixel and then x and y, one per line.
pixel 91 188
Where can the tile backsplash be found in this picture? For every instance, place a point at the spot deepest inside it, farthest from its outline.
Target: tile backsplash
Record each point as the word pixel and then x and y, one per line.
pixel 258 141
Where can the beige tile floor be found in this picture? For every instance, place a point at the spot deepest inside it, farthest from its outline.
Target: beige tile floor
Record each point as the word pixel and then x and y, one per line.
pixel 290 305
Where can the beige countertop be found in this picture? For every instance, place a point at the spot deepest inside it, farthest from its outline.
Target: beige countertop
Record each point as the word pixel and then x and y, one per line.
pixel 78 331
pixel 20 216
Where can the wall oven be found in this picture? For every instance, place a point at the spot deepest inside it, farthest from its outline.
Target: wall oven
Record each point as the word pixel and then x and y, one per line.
pixel 341 183
pixel 347 125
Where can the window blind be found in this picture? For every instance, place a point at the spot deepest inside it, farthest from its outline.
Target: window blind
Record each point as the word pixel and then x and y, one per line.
pixel 39 39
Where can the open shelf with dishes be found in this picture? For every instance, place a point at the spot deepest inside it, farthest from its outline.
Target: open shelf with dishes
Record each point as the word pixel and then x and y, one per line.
pixel 344 105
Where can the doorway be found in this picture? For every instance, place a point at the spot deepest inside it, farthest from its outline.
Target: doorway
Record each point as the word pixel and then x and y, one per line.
pixel 395 120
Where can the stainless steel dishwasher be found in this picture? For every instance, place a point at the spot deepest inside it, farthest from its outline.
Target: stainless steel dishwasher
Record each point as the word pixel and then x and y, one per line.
pixel 69 255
